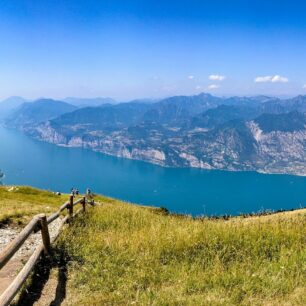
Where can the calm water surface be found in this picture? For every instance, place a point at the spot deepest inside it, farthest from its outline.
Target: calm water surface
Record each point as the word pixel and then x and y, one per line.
pixel 192 191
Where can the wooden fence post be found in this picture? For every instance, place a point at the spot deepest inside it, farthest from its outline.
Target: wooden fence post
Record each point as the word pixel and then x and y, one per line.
pixel 45 234
pixel 71 206
pixel 84 204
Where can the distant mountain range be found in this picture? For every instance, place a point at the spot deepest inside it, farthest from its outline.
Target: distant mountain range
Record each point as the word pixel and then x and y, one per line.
pixel 9 105
pixel 260 133
pixel 30 113
pixel 83 102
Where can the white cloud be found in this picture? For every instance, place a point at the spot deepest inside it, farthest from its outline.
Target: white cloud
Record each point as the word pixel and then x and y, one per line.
pixel 190 77
pixel 216 77
pixel 213 86
pixel 263 79
pixel 304 86
pixel 279 79
pixel 198 87
pixel 271 79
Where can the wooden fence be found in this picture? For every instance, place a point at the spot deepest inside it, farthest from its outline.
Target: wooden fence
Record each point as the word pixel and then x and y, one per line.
pixel 38 223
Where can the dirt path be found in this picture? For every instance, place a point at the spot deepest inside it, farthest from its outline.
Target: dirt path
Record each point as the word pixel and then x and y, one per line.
pixel 11 269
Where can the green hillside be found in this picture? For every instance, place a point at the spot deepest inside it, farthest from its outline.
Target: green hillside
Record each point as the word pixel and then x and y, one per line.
pixel 124 254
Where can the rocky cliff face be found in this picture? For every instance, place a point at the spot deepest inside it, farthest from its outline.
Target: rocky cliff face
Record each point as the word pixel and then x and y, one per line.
pixel 237 146
pixel 279 151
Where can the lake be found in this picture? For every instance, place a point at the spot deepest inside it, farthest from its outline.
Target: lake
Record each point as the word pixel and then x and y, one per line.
pixel 192 191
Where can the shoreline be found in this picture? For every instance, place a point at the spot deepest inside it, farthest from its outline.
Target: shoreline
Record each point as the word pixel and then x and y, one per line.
pixel 165 211
pixel 260 171
pixel 173 167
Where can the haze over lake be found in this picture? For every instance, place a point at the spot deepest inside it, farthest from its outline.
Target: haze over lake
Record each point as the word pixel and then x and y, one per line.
pixel 182 190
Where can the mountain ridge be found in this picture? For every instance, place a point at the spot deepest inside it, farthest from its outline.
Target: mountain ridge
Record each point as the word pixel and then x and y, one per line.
pixel 38 111
pixel 8 106
pixel 262 134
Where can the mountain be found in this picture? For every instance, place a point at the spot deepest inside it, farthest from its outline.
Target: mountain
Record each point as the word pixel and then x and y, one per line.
pixel 249 133
pixel 249 101
pixel 176 110
pixel 171 111
pixel 297 103
pixel 222 114
pixel 105 116
pixel 8 105
pixel 83 102
pixel 36 112
pixel 287 122
pixel 247 108
pixel 203 110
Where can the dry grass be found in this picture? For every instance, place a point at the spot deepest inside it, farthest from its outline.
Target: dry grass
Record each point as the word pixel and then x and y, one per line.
pixel 19 204
pixel 123 254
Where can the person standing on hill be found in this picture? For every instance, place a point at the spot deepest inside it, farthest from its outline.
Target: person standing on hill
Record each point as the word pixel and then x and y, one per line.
pixel 89 196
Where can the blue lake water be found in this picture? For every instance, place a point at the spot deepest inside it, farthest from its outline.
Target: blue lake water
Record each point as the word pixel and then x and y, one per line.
pixel 192 191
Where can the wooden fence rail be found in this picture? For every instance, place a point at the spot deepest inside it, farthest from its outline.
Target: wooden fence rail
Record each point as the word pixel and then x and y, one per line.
pixel 38 223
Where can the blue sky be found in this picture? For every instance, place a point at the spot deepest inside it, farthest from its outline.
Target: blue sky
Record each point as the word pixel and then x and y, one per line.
pixel 134 49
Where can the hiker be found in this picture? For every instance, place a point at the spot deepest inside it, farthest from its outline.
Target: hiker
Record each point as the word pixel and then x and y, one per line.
pixel 77 191
pixel 89 196
pixel 72 191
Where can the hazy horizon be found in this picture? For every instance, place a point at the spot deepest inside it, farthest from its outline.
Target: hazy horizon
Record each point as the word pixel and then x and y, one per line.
pixel 145 98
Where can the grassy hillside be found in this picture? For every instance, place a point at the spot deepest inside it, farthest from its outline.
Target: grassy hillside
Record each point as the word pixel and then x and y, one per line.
pixel 122 254
pixel 19 204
